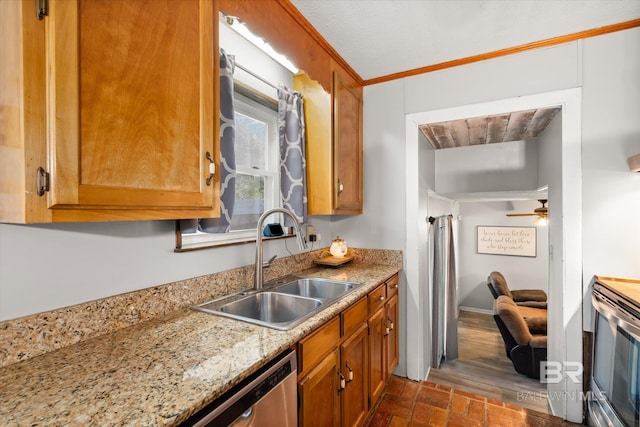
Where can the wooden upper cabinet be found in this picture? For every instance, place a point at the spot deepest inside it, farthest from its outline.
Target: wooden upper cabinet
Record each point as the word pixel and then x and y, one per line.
pixel 132 103
pixel 347 143
pixel 131 109
pixel 334 144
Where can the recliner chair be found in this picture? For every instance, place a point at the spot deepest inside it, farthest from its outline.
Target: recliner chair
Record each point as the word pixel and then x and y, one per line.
pixel 535 298
pixel 526 350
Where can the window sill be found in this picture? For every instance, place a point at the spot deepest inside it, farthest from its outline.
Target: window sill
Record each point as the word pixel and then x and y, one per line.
pixel 194 242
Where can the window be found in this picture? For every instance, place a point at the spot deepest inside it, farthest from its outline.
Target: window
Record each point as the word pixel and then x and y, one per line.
pixel 257 163
pixel 257 170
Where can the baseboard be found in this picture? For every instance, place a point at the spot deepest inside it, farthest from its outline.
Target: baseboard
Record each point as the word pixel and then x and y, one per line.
pixel 475 310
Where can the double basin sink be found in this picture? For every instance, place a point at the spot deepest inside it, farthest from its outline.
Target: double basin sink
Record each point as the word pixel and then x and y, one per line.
pixel 283 305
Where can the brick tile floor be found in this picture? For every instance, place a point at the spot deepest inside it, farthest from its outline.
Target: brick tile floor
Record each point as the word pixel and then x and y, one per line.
pixel 407 403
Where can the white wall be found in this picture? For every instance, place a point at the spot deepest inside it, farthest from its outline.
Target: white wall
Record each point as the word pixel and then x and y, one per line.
pixel 52 266
pixel 473 268
pixel 489 167
pixel 611 133
pixel 382 225
pixel 606 68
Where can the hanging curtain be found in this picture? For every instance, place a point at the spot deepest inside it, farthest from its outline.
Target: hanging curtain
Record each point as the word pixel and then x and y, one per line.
pixel 227 150
pixel 293 175
pixel 445 300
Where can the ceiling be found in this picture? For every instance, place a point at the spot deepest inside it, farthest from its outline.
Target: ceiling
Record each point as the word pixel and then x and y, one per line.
pixel 380 38
pixel 515 126
pixel 383 37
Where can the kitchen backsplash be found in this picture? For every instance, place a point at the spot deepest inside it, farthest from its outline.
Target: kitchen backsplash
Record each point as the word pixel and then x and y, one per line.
pixel 29 336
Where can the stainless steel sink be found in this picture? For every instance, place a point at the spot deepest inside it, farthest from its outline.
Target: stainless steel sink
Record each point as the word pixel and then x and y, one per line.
pixel 281 306
pixel 325 289
pixel 276 310
pixel 272 307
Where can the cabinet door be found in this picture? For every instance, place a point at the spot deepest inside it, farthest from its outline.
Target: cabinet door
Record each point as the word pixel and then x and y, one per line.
pixel 377 363
pixel 347 143
pixel 319 149
pixel 319 394
pixel 132 104
pixel 354 366
pixel 391 340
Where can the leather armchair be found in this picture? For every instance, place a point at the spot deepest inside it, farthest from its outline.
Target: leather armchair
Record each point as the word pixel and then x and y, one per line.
pixel 536 298
pixel 524 349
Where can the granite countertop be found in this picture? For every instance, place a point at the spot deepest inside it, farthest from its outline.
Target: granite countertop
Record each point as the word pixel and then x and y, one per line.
pixel 158 372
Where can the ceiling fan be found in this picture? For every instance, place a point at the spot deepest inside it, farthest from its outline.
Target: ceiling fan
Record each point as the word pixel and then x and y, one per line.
pixel 542 213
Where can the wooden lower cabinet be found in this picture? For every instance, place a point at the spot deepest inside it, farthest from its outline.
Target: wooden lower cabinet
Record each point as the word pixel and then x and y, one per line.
pixel 319 394
pixel 383 336
pixel 333 390
pixel 377 365
pixel 391 339
pixel 354 355
pixel 344 366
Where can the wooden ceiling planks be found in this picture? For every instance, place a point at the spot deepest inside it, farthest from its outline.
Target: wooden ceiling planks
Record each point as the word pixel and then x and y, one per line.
pixel 497 128
pixel 539 121
pixel 515 126
pixel 460 132
pixel 477 130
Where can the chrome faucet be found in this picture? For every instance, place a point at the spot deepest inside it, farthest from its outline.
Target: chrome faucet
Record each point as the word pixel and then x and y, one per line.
pixel 302 244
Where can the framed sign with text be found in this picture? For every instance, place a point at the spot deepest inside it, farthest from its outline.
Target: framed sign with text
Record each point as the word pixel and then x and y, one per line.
pixel 516 241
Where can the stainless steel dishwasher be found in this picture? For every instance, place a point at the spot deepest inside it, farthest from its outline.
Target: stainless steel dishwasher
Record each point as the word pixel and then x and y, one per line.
pixel 267 398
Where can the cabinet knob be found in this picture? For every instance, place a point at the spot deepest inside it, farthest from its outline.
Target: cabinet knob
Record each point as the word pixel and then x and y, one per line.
pixel 343 382
pixel 381 298
pixel 340 187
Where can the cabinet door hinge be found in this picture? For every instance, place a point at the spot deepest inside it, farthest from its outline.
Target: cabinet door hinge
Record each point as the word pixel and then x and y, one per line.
pixel 42 181
pixel 42 9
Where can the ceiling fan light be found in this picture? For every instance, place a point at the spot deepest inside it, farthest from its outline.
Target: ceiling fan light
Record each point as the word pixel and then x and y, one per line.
pixel 634 163
pixel 542 221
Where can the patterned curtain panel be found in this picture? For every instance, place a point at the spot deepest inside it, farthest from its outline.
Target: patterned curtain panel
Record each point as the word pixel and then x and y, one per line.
pixel 227 150
pixel 293 169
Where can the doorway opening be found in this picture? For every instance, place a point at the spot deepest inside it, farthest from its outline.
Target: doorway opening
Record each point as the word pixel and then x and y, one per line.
pixel 482 365
pixel 565 268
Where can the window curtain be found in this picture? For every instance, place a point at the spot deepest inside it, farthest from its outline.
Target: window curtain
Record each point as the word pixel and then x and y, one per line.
pixel 227 150
pixel 445 301
pixel 293 168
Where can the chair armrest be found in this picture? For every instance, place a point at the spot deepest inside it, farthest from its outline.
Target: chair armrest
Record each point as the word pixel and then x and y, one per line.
pixel 529 295
pixel 538 341
pixel 537 325
pixel 532 304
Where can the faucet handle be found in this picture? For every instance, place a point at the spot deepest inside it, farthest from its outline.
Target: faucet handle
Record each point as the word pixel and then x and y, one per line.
pixel 267 264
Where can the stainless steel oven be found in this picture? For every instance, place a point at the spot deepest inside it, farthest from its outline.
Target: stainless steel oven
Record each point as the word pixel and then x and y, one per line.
pixel 268 398
pixel 615 383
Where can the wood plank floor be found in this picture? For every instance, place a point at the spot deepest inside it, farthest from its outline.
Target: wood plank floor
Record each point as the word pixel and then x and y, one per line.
pixel 483 367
